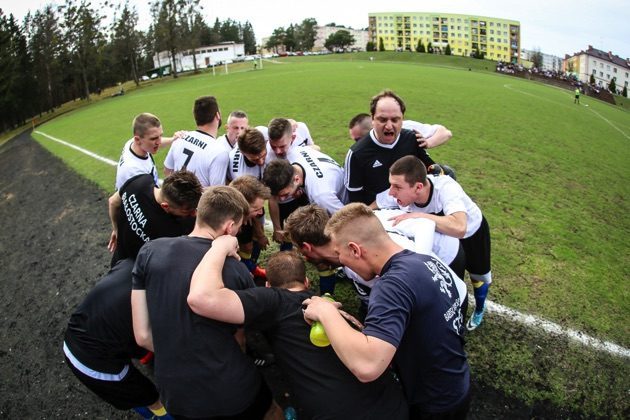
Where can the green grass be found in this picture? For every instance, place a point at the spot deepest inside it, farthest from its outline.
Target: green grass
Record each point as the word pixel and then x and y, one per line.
pixel 551 177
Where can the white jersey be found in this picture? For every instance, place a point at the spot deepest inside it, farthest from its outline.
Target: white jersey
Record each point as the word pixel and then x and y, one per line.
pixel 223 141
pixel 200 153
pixel 130 165
pixel 424 230
pixel 239 166
pixel 447 197
pixel 323 179
pixel 427 130
pixel 302 135
pixel 271 155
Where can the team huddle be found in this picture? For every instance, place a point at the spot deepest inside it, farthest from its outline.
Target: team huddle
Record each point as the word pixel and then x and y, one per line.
pixel 185 282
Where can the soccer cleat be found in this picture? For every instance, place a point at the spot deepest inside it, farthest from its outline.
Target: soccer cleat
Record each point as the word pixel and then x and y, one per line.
pixel 475 319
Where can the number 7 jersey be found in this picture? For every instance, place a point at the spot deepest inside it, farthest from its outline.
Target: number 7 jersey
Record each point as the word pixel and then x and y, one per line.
pixel 201 154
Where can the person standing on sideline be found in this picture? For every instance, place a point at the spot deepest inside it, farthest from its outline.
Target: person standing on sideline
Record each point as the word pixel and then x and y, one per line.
pixel 198 151
pixel 443 200
pixel 577 96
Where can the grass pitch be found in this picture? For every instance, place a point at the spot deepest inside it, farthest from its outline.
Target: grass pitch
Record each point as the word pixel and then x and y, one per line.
pixel 550 176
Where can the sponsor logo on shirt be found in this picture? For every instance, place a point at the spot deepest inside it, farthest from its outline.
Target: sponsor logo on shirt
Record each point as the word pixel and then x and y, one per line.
pixel 376 164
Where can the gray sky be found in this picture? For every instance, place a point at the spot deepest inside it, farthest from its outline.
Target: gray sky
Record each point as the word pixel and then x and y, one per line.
pixel 556 27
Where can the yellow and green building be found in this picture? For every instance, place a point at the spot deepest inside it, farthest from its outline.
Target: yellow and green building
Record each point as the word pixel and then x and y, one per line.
pixel 498 39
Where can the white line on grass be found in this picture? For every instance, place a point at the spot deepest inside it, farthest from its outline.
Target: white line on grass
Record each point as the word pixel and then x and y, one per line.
pixel 80 149
pixel 553 328
pixel 492 307
pixel 508 86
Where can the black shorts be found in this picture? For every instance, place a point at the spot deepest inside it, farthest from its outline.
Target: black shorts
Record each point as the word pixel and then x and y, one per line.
pixel 477 249
pixel 246 234
pixel 256 410
pixel 134 390
pixel 458 265
pixel 285 209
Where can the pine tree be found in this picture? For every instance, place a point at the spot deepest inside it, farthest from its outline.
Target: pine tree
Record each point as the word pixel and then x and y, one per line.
pixel 447 51
pixel 381 45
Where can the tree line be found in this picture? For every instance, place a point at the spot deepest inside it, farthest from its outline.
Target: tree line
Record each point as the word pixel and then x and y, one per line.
pixel 62 53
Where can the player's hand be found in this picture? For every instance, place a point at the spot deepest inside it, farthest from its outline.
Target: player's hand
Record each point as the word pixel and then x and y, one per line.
pixel 227 244
pixel 111 246
pixel 278 236
pixel 354 323
pixel 263 242
pixel 179 134
pixel 315 306
pixel 422 142
pixel 401 217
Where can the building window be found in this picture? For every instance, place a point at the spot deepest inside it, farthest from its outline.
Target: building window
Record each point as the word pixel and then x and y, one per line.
pixel 614 69
pixel 594 72
pixel 608 76
pixel 601 74
pixel 601 65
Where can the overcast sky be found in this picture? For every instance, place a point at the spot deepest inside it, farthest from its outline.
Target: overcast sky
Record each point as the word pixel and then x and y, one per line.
pixel 556 27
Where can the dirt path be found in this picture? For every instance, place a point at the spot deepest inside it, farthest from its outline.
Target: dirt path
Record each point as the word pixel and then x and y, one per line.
pixel 54 234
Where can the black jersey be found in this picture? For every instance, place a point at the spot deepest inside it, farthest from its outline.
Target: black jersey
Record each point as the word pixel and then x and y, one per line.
pixel 199 367
pixel 322 385
pixel 100 331
pixel 141 218
pixel 368 162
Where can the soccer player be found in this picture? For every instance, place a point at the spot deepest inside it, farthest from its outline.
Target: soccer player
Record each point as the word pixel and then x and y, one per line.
pixel 413 318
pixel 237 122
pixel 137 154
pixel 199 366
pixel 99 344
pixel 443 200
pixel 308 172
pixel 368 160
pixel 300 133
pixel 322 386
pixel 140 211
pixel 251 237
pixel 198 151
pixel 430 135
pixel 306 228
pixel 249 157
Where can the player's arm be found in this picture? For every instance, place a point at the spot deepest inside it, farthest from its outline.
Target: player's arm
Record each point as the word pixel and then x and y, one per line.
pixel 207 296
pixel 274 213
pixel 365 356
pixel 140 315
pixel 438 138
pixel 114 204
pixel 454 224
pixel 167 141
pixel 259 233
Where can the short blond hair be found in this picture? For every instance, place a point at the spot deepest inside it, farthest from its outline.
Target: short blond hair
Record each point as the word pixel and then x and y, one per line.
pixel 355 222
pixel 143 122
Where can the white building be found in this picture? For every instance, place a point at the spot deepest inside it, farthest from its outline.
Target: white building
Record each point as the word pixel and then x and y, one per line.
pixel 549 62
pixel 205 56
pixel 361 37
pixel 604 66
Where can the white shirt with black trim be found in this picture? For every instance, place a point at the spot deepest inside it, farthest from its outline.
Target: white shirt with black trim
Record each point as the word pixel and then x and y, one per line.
pixel 239 166
pixel 130 165
pixel 323 179
pixel 201 154
pixel 446 197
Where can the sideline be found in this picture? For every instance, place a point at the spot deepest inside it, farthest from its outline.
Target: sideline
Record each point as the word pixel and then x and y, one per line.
pixel 80 149
pixel 492 307
pixel 509 86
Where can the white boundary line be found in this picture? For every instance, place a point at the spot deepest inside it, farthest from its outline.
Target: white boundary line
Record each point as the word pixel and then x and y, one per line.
pixel 509 86
pixel 80 149
pixel 492 307
pixel 553 328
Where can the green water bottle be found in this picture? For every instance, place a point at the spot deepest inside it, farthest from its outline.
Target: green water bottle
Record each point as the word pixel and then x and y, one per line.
pixel 318 333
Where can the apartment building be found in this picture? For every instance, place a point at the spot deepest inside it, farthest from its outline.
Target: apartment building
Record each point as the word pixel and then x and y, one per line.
pixel 604 66
pixel 361 37
pixel 498 39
